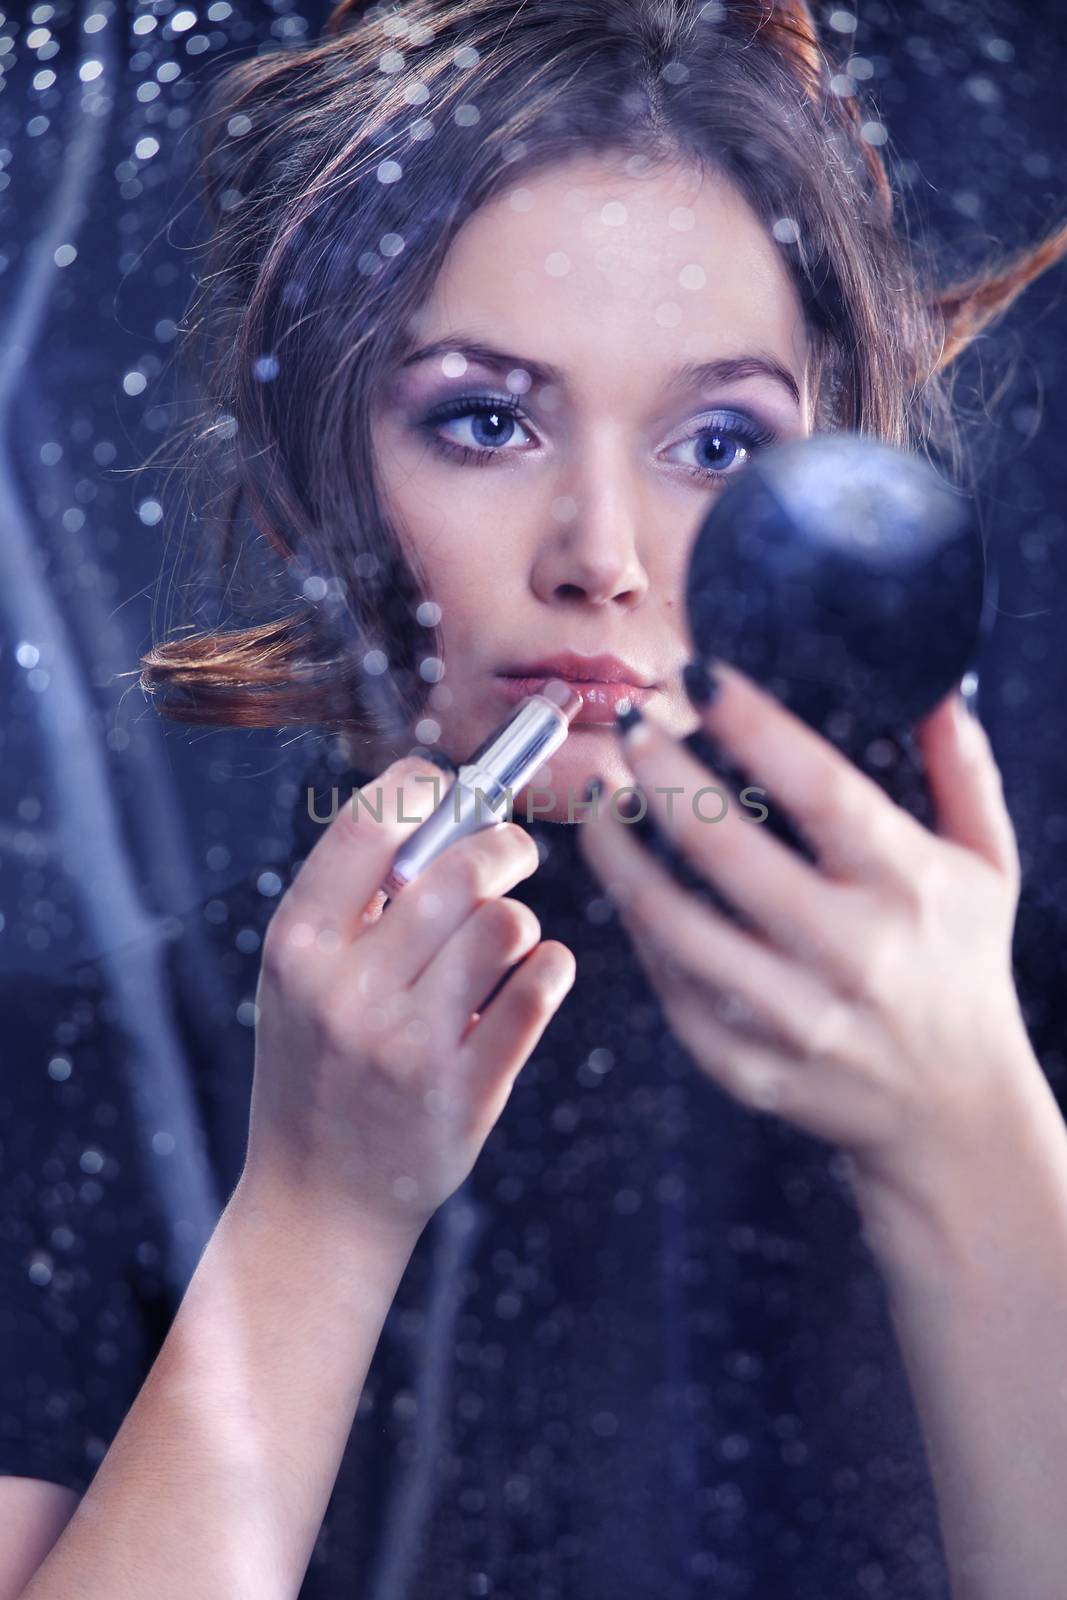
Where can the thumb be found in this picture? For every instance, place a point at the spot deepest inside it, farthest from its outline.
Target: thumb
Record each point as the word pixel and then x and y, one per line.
pixel 966 784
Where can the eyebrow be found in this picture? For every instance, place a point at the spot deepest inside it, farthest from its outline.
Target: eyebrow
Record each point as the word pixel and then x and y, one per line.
pixel 693 374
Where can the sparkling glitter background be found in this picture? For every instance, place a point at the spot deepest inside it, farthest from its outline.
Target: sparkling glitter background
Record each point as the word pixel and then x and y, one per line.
pixel 107 816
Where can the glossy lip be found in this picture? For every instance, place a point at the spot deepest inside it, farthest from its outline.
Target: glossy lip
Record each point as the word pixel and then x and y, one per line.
pixel 605 682
pixel 580 669
pixel 601 702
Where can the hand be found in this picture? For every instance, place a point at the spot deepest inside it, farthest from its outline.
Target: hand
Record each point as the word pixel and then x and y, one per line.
pixel 868 996
pixel 376 1078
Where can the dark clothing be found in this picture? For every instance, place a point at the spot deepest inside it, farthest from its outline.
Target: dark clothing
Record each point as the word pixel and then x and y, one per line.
pixel 644 1351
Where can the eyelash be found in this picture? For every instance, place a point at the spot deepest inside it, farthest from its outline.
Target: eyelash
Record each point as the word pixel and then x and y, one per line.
pixel 748 433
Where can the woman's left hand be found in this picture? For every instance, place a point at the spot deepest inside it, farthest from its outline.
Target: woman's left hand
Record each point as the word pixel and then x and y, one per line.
pixel 870 1000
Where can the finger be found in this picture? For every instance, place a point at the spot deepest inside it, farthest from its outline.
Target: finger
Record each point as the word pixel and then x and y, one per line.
pixel 495 935
pixel 509 1028
pixel 754 1073
pixel 785 897
pixel 336 890
pixel 966 784
pixel 427 912
pixel 830 1099
pixel 692 944
pixel 853 827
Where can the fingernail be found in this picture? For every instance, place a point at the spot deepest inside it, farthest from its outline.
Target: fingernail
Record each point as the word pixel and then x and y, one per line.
pixel 969 692
pixel 439 759
pixel 593 790
pixel 627 719
pixel 633 806
pixel 700 685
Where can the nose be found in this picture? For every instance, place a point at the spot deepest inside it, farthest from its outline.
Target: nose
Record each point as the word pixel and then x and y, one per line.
pixel 589 550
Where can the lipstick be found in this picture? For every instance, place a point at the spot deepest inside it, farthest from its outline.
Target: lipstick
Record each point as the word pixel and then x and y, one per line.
pixel 500 766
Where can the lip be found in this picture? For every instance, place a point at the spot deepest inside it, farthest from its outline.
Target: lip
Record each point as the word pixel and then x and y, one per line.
pixel 605 683
pixel 580 669
pixel 600 701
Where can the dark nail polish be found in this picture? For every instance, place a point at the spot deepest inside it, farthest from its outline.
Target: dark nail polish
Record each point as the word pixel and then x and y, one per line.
pixel 440 760
pixel 700 685
pixel 593 789
pixel 633 806
pixel 624 720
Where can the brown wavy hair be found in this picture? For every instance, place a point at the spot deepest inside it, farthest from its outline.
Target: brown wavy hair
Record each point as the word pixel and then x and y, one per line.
pixel 316 264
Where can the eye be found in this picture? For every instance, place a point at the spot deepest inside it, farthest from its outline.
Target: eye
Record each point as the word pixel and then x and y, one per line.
pixel 482 426
pixel 722 447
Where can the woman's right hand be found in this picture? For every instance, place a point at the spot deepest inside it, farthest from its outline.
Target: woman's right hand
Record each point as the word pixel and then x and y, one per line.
pixel 376 1078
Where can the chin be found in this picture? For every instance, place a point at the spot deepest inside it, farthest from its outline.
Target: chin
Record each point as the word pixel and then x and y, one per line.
pixel 563 777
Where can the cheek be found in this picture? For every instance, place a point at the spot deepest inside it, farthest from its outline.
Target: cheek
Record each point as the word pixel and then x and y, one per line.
pixel 470 547
pixel 667 565
pixel 452 518
pixel 466 581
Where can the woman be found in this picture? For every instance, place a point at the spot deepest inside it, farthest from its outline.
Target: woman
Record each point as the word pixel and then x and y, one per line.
pixel 656 1341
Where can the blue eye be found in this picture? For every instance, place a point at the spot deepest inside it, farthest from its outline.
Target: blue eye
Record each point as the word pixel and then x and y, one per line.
pixel 721 448
pixel 492 427
pixel 490 423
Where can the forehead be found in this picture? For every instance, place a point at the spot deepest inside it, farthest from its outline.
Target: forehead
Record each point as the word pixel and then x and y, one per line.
pixel 589 266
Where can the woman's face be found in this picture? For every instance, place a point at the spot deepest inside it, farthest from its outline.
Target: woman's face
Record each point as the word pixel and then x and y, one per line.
pixel 552 494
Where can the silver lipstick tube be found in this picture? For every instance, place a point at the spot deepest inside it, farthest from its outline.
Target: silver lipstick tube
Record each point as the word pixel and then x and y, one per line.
pixel 488 781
